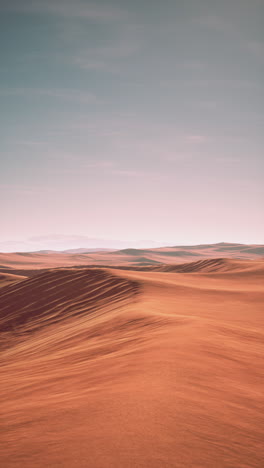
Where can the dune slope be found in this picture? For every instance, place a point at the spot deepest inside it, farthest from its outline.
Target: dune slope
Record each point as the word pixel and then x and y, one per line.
pixel 9 278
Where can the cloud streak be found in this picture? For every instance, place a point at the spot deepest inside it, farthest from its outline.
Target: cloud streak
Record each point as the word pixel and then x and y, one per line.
pixel 66 9
pixel 54 93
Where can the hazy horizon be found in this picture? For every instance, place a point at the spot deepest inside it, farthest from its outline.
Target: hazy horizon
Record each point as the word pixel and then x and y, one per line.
pixel 62 243
pixel 125 121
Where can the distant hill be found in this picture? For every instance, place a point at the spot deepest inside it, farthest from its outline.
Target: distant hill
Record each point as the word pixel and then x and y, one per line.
pixel 83 250
pixel 125 257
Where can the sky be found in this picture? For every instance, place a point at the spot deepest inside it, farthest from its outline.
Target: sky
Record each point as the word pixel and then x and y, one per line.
pixel 139 121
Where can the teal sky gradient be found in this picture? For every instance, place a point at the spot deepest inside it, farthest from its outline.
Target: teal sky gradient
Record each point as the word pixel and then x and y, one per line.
pixel 132 120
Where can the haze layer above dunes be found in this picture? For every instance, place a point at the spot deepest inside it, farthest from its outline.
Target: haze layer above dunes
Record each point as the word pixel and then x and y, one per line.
pixel 121 367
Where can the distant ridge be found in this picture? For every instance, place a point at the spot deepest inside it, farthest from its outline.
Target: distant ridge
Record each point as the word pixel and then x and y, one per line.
pixel 83 250
pixel 128 256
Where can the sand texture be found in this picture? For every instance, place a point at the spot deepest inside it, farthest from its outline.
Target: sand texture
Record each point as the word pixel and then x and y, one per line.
pixel 121 367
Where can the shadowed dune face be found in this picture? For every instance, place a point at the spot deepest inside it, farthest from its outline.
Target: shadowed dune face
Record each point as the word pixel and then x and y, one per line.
pixel 57 295
pixel 122 367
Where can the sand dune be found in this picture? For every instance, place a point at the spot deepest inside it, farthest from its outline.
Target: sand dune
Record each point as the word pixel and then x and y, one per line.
pixel 125 368
pixel 59 294
pixel 214 265
pixel 140 257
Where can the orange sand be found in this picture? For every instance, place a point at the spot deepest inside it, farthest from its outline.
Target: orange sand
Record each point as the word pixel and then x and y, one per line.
pixel 121 368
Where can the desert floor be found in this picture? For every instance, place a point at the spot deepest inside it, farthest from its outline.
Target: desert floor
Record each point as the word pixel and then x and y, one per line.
pixel 108 367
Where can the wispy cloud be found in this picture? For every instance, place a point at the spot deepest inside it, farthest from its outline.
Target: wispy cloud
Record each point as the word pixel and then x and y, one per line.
pixel 55 93
pixel 25 189
pixel 108 167
pixel 128 173
pixel 99 165
pixel 216 23
pixel 66 9
pixel 197 139
pixel 232 26
pixel 106 57
pixel 30 143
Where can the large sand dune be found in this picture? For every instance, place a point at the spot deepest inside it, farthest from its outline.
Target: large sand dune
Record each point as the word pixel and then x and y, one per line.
pixel 125 368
